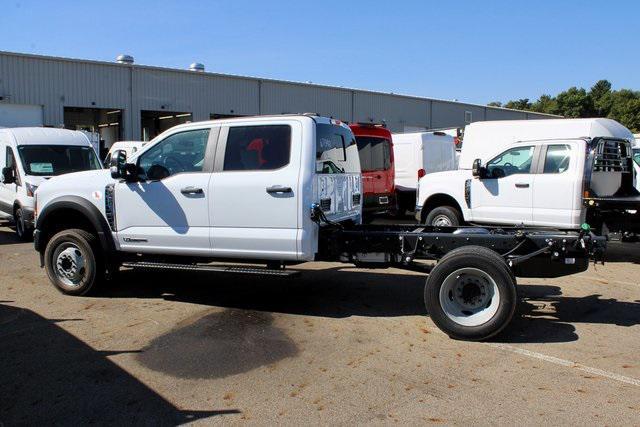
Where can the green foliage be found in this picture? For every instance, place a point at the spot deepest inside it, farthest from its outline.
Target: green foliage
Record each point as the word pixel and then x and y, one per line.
pixel 520 104
pixel 495 104
pixel 600 101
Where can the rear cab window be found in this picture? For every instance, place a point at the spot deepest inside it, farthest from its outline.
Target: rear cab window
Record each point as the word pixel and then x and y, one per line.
pixel 336 150
pixel 258 147
pixel 557 158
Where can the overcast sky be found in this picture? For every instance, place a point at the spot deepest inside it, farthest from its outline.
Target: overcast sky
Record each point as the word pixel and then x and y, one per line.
pixel 475 51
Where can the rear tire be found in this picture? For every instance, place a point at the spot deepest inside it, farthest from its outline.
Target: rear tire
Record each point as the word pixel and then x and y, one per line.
pixel 443 216
pixel 471 294
pixel 73 262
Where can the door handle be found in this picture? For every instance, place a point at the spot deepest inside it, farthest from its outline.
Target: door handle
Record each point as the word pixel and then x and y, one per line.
pixel 191 190
pixel 521 185
pixel 278 189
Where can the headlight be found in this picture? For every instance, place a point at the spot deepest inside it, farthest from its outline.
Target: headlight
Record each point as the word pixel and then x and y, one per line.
pixel 30 189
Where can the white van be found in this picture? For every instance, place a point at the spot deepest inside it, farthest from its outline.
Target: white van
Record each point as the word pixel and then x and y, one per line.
pixel 418 154
pixel 552 173
pixel 129 147
pixel 28 156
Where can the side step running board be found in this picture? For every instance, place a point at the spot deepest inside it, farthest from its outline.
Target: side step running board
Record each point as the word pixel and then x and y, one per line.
pixel 212 268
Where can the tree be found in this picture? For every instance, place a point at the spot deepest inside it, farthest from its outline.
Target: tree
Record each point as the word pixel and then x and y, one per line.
pixel 520 104
pixel 625 108
pixel 574 103
pixel 495 104
pixel 600 94
pixel 622 105
pixel 545 104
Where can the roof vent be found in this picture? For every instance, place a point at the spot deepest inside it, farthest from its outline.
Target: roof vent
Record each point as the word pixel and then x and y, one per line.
pixel 196 66
pixel 124 59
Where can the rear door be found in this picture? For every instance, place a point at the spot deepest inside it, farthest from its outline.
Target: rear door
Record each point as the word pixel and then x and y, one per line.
pixel 255 193
pixel 556 186
pixel 505 196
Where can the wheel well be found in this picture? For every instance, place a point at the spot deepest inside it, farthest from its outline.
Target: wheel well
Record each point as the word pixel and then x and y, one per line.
pixel 436 201
pixel 62 219
pixel 16 205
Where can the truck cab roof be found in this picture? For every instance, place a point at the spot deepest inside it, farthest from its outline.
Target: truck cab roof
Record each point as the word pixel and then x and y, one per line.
pixel 45 136
pixel 482 140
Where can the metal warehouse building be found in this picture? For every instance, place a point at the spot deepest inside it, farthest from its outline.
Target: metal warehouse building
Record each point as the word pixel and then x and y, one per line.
pixel 124 101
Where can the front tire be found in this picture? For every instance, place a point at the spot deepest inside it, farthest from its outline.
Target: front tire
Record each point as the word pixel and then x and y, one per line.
pixel 73 263
pixel 22 230
pixel 471 294
pixel 443 216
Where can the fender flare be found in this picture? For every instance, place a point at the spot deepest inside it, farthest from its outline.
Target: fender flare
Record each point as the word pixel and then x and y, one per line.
pixel 83 207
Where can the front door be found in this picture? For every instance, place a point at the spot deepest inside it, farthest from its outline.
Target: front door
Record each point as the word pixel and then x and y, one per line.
pixel 167 211
pixel 505 195
pixel 8 192
pixel 254 209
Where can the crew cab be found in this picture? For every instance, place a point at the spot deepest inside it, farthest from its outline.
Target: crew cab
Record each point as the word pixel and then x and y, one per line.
pixel 275 191
pixel 550 173
pixel 377 165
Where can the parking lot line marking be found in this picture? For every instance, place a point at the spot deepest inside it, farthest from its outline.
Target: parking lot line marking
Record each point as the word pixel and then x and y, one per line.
pixel 568 363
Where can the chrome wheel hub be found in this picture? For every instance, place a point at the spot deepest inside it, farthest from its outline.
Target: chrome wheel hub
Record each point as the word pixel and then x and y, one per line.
pixel 70 265
pixel 469 296
pixel 441 221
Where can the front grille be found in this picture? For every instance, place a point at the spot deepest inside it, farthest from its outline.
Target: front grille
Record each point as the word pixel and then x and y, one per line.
pixel 109 206
pixel 356 199
pixel 612 156
pixel 325 205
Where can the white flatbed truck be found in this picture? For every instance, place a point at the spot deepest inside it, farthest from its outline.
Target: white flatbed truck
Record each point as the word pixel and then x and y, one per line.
pixel 279 191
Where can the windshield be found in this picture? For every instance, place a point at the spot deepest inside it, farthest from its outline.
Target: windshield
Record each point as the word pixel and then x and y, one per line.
pixel 636 156
pixel 50 160
pixel 375 153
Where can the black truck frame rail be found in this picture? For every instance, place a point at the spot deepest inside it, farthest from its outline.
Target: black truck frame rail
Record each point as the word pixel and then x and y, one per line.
pixel 528 252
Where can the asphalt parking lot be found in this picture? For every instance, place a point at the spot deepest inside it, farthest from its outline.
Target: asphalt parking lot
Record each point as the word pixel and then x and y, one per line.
pixel 336 345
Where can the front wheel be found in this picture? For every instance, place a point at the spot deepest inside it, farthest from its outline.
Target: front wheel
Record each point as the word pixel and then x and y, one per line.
pixel 22 230
pixel 443 216
pixel 72 262
pixel 471 293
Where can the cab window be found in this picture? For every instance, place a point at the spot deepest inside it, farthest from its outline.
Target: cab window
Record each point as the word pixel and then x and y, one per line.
pixel 257 148
pixel 513 161
pixel 557 158
pixel 178 153
pixel 336 150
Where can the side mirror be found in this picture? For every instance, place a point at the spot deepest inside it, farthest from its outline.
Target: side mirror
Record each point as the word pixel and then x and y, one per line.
pixel 8 177
pixel 117 164
pixel 477 170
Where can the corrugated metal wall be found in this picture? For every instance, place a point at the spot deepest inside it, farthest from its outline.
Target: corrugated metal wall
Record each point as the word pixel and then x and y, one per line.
pixel 55 83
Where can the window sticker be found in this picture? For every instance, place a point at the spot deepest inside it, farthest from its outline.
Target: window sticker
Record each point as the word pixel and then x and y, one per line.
pixel 41 167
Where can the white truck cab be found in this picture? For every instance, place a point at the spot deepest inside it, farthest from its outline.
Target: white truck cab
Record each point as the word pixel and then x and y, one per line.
pixel 28 157
pixel 552 173
pixel 230 188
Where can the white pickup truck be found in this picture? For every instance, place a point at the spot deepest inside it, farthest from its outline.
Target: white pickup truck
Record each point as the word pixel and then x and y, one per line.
pixel 275 191
pixel 550 173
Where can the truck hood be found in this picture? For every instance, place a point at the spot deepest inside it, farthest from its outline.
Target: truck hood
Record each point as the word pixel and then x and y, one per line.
pixel 87 184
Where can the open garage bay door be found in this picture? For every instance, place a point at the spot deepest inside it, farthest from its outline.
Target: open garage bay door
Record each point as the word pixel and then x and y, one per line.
pixel 18 115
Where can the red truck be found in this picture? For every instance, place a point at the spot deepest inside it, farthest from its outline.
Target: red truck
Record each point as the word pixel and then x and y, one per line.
pixel 376 161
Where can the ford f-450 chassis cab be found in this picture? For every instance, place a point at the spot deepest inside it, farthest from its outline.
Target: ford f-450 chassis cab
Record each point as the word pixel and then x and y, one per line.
pixel 276 191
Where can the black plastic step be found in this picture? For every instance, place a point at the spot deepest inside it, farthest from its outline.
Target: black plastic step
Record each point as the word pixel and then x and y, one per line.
pixel 258 271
